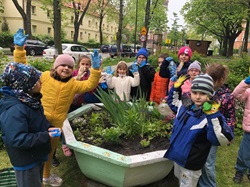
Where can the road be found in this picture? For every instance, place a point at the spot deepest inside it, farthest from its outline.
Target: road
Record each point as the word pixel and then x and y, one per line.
pixel 104 55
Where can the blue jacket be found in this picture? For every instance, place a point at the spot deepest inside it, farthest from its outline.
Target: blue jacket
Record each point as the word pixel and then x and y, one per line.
pixel 194 132
pixel 24 132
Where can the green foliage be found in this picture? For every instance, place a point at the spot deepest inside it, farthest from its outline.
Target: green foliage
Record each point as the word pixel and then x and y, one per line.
pixel 40 64
pixel 6 39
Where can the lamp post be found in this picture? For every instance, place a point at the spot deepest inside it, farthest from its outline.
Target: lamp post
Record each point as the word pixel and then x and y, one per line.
pixel 136 14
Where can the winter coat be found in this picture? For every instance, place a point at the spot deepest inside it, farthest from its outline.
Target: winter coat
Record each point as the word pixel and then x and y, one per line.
pixel 122 85
pixel 194 132
pixel 24 132
pixel 159 88
pixel 242 93
pixel 146 73
pixel 186 87
pixel 227 107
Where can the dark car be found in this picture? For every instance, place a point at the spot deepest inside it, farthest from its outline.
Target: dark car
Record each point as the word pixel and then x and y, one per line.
pixel 105 48
pixel 32 47
pixel 126 50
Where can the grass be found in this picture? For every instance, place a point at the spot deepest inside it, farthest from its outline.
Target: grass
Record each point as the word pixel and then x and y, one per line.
pixel 72 176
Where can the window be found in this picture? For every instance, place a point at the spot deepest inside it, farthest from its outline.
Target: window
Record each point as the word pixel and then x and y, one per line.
pixel 89 25
pixel 49 30
pixel 89 36
pixel 96 25
pixel 72 19
pixel 103 27
pixel 107 27
pixel 34 28
pixel 80 35
pixel 33 10
pixel 71 34
pixel 95 37
pixel 48 13
pixel 111 28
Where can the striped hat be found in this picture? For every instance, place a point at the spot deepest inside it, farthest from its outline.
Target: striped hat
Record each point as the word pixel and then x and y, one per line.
pixel 203 83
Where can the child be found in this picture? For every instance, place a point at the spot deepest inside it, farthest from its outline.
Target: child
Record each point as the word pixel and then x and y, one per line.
pixel 197 126
pixel 242 93
pixel 159 85
pixel 222 93
pixel 59 88
pixel 121 82
pixel 146 72
pixel 25 130
pixel 193 70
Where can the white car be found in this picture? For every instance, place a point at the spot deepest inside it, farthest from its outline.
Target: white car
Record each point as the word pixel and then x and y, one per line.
pixel 74 50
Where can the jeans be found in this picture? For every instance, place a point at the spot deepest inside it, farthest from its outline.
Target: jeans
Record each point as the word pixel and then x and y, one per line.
pixel 243 158
pixel 208 178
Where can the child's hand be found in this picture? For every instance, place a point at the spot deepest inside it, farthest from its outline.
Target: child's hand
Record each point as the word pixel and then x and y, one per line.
pixel 109 70
pixel 19 38
pixel 81 72
pixel 134 68
pixel 181 80
pixel 211 107
pixel 96 59
pixel 54 132
pixel 247 80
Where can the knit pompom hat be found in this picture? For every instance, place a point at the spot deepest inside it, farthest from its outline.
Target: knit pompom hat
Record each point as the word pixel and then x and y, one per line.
pixel 203 83
pixel 195 65
pixel 20 76
pixel 64 59
pixel 185 50
pixel 142 51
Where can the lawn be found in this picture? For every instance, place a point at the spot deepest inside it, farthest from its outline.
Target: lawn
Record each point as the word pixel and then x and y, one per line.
pixel 72 176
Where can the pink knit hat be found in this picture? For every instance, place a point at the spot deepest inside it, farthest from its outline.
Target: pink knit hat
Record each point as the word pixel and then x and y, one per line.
pixel 195 65
pixel 185 50
pixel 64 59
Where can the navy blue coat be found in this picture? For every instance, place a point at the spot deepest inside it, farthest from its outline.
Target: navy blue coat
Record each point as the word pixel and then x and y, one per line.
pixel 24 132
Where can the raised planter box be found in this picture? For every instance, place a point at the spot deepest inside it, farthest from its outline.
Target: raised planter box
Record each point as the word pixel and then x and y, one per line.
pixel 114 169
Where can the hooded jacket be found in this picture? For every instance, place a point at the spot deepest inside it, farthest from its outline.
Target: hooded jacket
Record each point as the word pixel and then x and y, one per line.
pixel 24 132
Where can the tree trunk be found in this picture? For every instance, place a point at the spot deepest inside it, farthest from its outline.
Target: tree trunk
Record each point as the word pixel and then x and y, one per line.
pixel 245 44
pixel 100 29
pixel 147 17
pixel 119 33
pixel 26 16
pixel 57 26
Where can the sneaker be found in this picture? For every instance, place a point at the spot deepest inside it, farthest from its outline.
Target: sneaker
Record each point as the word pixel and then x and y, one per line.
pixel 55 162
pixel 53 180
pixel 238 177
pixel 66 150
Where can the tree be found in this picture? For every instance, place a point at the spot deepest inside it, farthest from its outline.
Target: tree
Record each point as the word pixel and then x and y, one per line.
pixel 222 19
pixel 101 7
pixel 57 25
pixel 79 11
pixel 26 16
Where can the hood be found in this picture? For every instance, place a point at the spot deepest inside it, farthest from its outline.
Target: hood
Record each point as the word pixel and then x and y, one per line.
pixel 8 99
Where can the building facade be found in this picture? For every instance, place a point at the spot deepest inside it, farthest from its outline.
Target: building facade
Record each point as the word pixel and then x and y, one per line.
pixel 41 24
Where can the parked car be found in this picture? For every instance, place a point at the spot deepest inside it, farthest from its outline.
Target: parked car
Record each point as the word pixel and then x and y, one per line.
pixel 74 50
pixel 105 48
pixel 32 47
pixel 126 50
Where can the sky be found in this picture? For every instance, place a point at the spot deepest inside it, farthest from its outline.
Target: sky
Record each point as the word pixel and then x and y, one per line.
pixel 175 6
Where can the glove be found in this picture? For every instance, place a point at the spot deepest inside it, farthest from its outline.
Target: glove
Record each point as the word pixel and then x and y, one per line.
pixel 143 63
pixel 134 68
pixel 211 107
pixel 181 80
pixel 96 59
pixel 247 80
pixel 104 85
pixel 109 70
pixel 19 38
pixel 56 133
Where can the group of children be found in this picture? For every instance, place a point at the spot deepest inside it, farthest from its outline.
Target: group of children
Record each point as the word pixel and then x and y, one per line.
pixel 35 106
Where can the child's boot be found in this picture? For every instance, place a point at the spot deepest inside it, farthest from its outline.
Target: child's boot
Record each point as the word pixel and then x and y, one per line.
pixel 238 177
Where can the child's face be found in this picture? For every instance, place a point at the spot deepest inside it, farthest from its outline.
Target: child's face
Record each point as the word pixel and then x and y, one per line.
pixel 37 88
pixel 141 58
pixel 183 57
pixel 193 72
pixel 160 60
pixel 199 98
pixel 85 63
pixel 64 71
pixel 121 71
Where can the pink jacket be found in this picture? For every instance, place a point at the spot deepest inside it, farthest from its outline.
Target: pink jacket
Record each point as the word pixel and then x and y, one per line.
pixel 186 87
pixel 242 93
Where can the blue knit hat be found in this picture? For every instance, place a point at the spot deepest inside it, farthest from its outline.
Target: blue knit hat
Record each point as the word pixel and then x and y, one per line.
pixel 142 51
pixel 20 76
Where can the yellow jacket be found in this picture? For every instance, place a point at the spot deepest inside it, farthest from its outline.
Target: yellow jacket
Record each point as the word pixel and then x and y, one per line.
pixel 57 95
